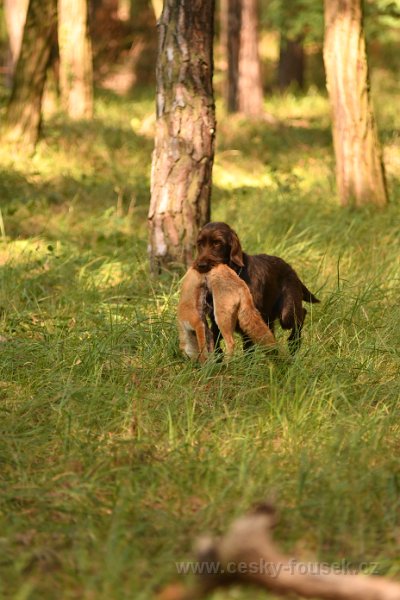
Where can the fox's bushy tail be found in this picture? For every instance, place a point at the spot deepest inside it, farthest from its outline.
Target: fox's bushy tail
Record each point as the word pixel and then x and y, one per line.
pixel 252 324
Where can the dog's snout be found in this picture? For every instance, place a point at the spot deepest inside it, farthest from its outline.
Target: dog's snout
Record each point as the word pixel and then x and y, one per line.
pixel 202 266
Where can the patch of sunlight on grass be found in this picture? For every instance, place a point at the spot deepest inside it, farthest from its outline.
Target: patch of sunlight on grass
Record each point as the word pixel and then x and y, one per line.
pixel 312 173
pixel 24 252
pixel 392 158
pixel 232 170
pixel 269 45
pixel 120 109
pixel 108 275
pixel 314 106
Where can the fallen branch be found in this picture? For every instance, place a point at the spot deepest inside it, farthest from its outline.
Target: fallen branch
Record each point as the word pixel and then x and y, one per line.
pixel 246 554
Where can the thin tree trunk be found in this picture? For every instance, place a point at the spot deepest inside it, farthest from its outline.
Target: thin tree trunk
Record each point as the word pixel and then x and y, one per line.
pixel 230 42
pixel 143 53
pixel 15 16
pixel 76 71
pixel 250 92
pixel 185 130
pixel 223 32
pixel 291 63
pixel 24 108
pixel 359 168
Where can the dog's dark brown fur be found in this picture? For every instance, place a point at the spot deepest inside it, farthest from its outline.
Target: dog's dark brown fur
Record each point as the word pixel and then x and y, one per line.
pixel 277 291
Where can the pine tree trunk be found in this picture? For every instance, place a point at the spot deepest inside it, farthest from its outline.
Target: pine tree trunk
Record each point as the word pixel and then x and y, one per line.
pixel 185 130
pixel 291 63
pixel 359 168
pixel 76 71
pixel 233 47
pixel 230 41
pixel 250 92
pixel 15 16
pixel 24 108
pixel 143 54
pixel 223 39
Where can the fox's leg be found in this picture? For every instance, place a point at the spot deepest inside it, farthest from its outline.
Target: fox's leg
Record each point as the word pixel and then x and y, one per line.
pixel 226 320
pixel 201 336
pixel 188 340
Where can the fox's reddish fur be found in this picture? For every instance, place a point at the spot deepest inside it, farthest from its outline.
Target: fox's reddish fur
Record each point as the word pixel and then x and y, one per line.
pixel 233 305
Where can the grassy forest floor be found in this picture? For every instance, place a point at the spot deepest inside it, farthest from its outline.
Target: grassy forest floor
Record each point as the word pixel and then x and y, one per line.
pixel 115 452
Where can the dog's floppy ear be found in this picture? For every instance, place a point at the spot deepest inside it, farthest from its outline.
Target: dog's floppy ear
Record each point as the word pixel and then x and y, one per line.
pixel 236 256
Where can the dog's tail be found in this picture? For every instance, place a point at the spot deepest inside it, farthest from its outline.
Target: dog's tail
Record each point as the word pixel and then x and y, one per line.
pixel 252 324
pixel 308 296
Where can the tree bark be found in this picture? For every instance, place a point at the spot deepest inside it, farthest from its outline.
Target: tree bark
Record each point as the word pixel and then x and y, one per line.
pixel 143 55
pixel 291 63
pixel 185 129
pixel 76 71
pixel 223 30
pixel 250 92
pixel 230 42
pixel 15 16
pixel 24 108
pixel 359 167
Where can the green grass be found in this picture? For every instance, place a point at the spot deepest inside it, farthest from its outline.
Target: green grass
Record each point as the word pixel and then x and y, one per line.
pixel 115 452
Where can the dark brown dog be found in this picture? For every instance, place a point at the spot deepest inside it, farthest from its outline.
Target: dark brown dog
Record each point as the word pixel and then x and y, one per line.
pixel 277 291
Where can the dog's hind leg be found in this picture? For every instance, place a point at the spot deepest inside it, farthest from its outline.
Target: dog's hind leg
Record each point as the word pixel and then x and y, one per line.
pixel 296 325
pixel 292 315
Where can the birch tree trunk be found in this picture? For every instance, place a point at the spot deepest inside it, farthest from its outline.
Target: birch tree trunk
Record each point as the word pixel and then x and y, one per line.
pixel 359 168
pixel 76 71
pixel 24 108
pixel 250 92
pixel 185 129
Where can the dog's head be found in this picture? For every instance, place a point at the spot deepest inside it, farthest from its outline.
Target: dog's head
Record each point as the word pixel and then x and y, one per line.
pixel 217 244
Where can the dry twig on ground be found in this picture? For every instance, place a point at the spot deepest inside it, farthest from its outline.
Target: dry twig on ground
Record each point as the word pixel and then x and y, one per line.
pixel 246 554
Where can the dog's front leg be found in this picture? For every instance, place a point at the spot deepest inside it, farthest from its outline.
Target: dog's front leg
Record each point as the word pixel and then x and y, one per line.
pixel 248 344
pixel 217 335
